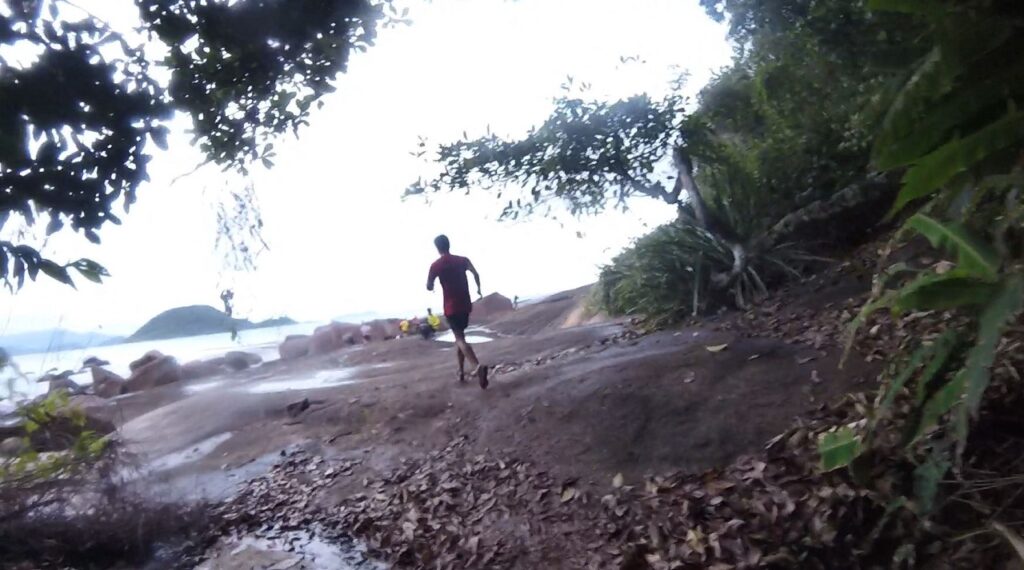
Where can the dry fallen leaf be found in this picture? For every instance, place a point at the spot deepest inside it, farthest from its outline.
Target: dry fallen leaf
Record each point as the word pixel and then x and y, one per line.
pixel 943 267
pixel 617 480
pixel 568 494
pixel 716 347
pixel 690 377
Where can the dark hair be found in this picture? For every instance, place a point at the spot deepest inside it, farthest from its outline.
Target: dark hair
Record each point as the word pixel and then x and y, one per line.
pixel 442 243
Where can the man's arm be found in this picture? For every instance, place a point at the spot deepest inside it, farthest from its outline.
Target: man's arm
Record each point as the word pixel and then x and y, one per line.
pixel 430 279
pixel 476 276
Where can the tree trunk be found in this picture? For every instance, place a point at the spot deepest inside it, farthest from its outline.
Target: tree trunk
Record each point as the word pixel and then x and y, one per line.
pixel 710 223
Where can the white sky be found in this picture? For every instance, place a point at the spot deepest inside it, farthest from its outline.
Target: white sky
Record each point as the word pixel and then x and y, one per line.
pixel 342 241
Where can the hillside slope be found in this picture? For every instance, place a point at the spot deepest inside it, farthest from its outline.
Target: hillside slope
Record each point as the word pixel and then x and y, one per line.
pixel 196 320
pixel 53 340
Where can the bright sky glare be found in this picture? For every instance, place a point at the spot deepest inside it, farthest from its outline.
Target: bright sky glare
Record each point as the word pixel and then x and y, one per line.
pixel 341 239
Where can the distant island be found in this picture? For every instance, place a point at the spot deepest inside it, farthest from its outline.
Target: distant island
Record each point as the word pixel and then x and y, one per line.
pixel 54 340
pixel 197 320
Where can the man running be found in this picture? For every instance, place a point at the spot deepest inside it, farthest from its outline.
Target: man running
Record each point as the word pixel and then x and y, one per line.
pixel 451 270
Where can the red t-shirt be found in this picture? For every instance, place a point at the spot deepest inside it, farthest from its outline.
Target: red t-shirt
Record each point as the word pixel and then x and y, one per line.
pixel 451 271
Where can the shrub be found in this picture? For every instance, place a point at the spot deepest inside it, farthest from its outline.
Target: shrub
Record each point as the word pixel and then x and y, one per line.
pixel 667 274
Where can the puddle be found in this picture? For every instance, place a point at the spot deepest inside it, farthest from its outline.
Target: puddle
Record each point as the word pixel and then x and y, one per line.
pixel 202 387
pixel 298 550
pixel 189 454
pixel 470 338
pixel 322 379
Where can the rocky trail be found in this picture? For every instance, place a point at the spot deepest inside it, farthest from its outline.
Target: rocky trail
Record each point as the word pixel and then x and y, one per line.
pixel 596 446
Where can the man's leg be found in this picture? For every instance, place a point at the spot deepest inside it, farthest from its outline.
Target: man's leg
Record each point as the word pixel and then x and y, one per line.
pixel 462 364
pixel 465 348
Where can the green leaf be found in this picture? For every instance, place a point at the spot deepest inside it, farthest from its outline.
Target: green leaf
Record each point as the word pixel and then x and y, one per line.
pixel 56 272
pixel 838 448
pixel 939 403
pixel 935 354
pixel 90 270
pixel 934 170
pixel 97 446
pixel 929 130
pixel 1003 307
pixel 944 347
pixel 974 257
pixel 929 81
pixel 159 136
pixel 933 292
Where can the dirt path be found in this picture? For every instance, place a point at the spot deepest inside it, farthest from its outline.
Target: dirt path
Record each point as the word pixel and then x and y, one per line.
pixel 585 404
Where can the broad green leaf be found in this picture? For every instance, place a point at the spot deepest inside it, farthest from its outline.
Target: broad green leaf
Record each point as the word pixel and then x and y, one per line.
pixel 90 270
pixel 935 354
pixel 974 257
pixel 942 401
pixel 944 347
pixel 933 292
pixel 56 272
pixel 929 82
pixel 838 448
pixel 934 170
pixel 893 149
pixel 1003 307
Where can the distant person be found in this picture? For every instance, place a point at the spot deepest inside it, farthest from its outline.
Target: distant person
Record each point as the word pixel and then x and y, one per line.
pixel 451 271
pixel 366 330
pixel 515 303
pixel 433 320
pixel 426 331
pixel 404 327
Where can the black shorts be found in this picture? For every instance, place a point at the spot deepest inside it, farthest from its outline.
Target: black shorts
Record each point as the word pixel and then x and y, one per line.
pixel 458 323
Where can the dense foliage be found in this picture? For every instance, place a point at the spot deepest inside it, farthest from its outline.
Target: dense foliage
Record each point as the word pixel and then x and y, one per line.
pixel 956 131
pixel 587 153
pixel 80 102
pixel 668 273
pixel 30 480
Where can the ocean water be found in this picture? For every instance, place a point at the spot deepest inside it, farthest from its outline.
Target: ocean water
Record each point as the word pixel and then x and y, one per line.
pixel 263 342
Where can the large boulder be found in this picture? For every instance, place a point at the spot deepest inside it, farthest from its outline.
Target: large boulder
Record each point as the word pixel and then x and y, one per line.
pixel 12 447
pixel 98 411
pixel 491 306
pixel 237 360
pixel 333 336
pixel 197 369
pixel 294 346
pixel 146 359
pixel 94 361
pixel 105 383
pixel 62 382
pixel 384 329
pixel 155 372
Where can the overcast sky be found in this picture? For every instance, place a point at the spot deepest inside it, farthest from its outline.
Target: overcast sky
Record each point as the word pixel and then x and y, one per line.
pixel 341 239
